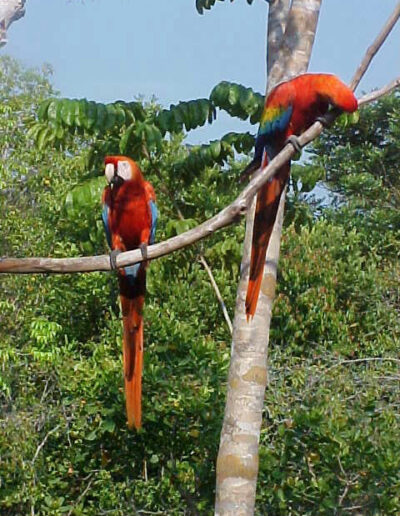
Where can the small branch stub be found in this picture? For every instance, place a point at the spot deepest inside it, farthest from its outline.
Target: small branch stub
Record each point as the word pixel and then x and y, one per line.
pixel 10 11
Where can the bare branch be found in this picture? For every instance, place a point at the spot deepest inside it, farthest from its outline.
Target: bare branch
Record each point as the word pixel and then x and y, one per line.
pixel 217 292
pixel 44 442
pixel 83 494
pixel 376 45
pixel 375 95
pixel 224 218
pixel 202 258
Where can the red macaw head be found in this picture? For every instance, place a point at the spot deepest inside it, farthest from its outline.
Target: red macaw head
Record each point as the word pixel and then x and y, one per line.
pixel 121 168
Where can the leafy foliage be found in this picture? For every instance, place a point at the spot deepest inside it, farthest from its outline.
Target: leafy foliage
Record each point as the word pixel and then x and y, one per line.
pixel 369 181
pixel 139 130
pixel 238 101
pixel 331 433
pixel 207 4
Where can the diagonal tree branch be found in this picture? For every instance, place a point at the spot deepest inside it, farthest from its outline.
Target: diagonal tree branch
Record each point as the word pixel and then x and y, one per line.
pixel 376 45
pixel 224 218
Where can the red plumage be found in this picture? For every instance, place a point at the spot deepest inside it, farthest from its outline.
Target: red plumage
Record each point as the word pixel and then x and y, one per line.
pixel 290 109
pixel 130 222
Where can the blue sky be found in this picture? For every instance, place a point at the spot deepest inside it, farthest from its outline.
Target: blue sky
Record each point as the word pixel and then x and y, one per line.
pixel 116 49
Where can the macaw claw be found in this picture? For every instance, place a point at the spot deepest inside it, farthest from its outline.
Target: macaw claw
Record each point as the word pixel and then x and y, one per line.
pixel 322 120
pixel 295 142
pixel 113 258
pixel 143 249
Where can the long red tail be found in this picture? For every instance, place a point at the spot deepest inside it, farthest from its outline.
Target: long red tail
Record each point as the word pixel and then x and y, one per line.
pixel 132 292
pixel 266 209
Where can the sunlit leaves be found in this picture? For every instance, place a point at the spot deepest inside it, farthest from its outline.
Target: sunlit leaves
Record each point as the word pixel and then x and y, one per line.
pixel 139 130
pixel 188 115
pixel 238 101
pixel 85 197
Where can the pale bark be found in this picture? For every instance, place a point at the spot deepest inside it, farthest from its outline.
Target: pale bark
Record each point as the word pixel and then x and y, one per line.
pixel 10 11
pixel 277 15
pixel 237 463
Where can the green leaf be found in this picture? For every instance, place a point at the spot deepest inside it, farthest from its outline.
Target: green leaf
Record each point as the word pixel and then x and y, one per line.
pixel 84 197
pixel 68 112
pixel 92 436
pixel 238 101
pixel 101 122
pixel 108 425
pixel 91 115
pixel 43 137
pixel 81 113
pixel 125 139
pixel 54 111
pixel 42 111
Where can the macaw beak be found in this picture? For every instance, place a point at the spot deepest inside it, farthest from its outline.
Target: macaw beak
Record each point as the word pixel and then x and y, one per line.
pixel 116 180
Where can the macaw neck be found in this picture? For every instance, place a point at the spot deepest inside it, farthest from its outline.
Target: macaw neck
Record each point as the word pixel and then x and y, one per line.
pixel 127 190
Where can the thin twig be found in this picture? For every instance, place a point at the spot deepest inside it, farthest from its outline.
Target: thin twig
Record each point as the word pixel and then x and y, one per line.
pixel 44 442
pixel 376 94
pixel 224 218
pixel 354 361
pixel 82 495
pixel 202 258
pixel 376 45
pixel 217 292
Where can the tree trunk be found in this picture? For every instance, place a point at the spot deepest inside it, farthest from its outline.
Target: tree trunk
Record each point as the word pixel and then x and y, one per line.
pixel 237 462
pixel 10 11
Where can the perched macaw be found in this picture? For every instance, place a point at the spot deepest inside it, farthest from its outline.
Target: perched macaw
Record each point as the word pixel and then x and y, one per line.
pixel 130 217
pixel 289 110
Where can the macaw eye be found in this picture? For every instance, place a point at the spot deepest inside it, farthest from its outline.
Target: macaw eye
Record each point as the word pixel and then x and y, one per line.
pixel 124 170
pixel 109 172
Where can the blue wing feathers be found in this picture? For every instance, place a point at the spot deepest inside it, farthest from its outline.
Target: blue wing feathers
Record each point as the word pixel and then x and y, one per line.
pixel 277 123
pixel 154 217
pixel 267 133
pixel 104 216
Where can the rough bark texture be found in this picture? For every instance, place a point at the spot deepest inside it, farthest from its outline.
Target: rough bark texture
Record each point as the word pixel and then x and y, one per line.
pixel 277 15
pixel 10 11
pixel 237 463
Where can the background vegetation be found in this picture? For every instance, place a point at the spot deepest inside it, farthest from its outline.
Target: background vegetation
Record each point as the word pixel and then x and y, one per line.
pixel 331 433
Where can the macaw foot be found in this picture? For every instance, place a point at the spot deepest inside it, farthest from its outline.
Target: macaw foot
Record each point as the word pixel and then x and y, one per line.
pixel 143 249
pixel 295 142
pixel 322 120
pixel 113 258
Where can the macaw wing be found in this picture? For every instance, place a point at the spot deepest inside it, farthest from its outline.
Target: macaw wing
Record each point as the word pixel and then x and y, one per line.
pixel 274 120
pixel 104 216
pixel 154 217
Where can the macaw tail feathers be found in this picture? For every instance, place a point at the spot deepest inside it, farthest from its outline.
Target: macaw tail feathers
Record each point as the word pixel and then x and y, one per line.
pixel 132 290
pixel 266 209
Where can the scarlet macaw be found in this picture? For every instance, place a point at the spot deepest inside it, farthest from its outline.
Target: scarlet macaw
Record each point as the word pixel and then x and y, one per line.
pixel 130 217
pixel 289 110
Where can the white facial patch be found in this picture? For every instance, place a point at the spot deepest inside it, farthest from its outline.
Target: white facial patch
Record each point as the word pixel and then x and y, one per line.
pixel 124 170
pixel 109 172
